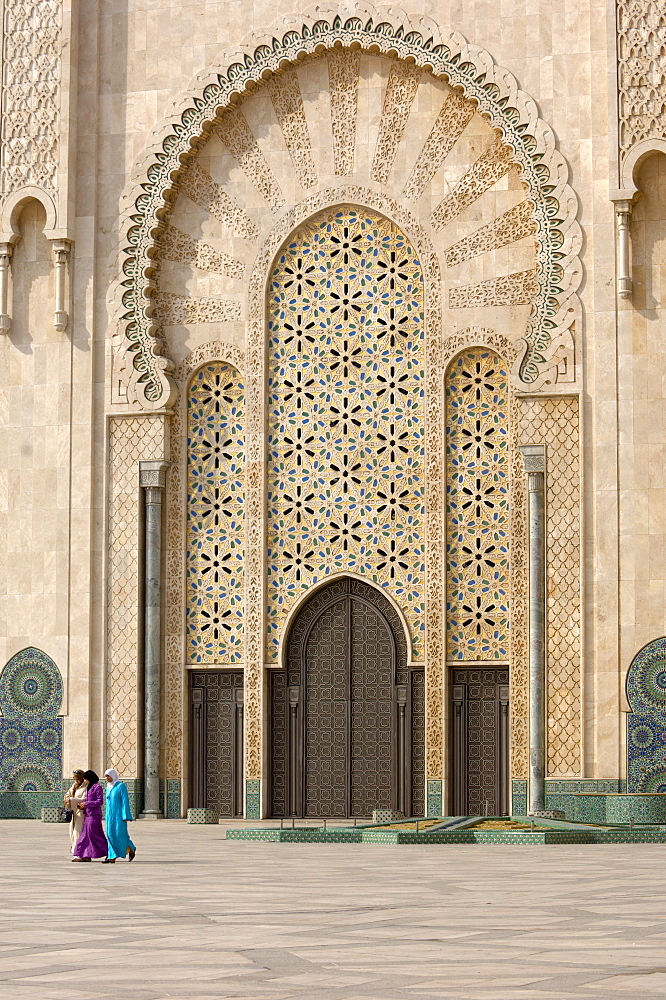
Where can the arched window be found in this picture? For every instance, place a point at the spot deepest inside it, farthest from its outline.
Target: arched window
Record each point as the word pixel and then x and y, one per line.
pixel 215 516
pixel 477 507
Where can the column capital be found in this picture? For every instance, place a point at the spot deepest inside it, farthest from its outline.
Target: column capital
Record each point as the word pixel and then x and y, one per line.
pixel 61 248
pixel 623 206
pixel 534 457
pixel 153 474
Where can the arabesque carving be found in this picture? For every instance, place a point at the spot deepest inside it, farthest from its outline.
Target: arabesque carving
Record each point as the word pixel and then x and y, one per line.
pixel 31 70
pixel 641 29
pixel 513 289
pixel 288 104
pixel 343 69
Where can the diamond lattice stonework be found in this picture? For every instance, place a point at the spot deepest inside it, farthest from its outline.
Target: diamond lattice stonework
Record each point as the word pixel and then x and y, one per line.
pixel 215 516
pixel 346 414
pixel 477 507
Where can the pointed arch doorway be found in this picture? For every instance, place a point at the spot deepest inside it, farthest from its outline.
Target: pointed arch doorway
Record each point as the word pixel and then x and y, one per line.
pixel 347 714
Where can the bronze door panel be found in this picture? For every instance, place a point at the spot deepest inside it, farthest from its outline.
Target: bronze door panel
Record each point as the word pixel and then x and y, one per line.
pixel 480 707
pixel 216 698
pixel 346 713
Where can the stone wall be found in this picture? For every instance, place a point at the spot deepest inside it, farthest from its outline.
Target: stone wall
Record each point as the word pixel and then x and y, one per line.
pixel 372 122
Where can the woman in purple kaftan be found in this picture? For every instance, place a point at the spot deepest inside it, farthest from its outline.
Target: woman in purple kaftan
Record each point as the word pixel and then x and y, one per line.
pixel 92 842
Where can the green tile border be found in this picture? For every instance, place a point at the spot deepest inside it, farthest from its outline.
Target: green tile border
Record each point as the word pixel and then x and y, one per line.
pixel 434 797
pixel 573 835
pixel 253 798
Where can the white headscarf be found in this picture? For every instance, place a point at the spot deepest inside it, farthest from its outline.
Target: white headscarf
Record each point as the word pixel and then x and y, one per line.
pixel 113 774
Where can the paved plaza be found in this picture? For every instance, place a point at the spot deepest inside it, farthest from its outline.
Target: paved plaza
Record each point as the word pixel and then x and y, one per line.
pixel 200 918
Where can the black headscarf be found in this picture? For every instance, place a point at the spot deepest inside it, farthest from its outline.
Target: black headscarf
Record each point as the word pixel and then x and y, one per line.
pixel 90 777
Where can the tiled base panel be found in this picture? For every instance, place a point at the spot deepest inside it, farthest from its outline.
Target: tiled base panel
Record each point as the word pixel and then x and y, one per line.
pixel 29 804
pixel 559 792
pixel 463 830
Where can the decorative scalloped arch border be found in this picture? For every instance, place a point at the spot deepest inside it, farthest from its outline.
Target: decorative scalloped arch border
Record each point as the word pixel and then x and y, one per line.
pixel 387 31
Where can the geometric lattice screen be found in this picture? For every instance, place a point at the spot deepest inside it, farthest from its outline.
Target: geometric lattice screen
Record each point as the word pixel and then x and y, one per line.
pixel 215 516
pixel 477 507
pixel 346 476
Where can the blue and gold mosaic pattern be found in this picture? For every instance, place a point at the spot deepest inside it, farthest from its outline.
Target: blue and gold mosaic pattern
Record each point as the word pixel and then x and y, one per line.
pixel 477 507
pixel 30 730
pixel 346 411
pixel 215 516
pixel 646 723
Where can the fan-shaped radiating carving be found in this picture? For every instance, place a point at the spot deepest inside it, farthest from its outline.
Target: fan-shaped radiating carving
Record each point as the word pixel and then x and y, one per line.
pixel 475 174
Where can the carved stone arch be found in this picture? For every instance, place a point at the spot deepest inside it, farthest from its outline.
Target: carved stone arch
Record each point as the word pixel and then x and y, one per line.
pixel 256 466
pixel 555 313
pixel 632 163
pixel 476 336
pixel 14 204
pixel 509 353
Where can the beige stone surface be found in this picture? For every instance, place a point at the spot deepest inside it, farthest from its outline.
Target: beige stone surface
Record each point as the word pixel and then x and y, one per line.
pixel 113 76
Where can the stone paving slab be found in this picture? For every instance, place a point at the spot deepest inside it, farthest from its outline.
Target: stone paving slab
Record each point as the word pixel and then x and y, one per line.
pixel 199 917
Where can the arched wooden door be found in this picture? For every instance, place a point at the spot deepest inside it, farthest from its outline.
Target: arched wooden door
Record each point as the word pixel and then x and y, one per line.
pixel 346 714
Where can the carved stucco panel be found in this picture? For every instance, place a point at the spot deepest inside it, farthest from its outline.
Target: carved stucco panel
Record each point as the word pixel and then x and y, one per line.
pixel 131 440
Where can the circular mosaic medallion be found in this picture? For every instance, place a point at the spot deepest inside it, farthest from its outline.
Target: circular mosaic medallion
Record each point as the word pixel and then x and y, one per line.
pixel 646 679
pixel 30 686
pixel 49 738
pixel 642 737
pixel 10 739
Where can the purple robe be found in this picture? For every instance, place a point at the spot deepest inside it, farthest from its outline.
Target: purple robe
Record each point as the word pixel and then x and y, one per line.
pixel 92 842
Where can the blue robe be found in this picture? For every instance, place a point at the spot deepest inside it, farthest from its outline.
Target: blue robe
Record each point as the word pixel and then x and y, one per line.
pixel 118 814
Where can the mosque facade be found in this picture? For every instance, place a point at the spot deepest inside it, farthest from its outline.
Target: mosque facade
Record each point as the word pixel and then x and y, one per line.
pixel 333 431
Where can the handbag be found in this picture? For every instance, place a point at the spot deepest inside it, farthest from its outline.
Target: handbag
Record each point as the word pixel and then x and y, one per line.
pixel 65 815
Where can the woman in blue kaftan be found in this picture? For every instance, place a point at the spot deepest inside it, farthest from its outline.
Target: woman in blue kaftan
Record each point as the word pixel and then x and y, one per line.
pixel 118 815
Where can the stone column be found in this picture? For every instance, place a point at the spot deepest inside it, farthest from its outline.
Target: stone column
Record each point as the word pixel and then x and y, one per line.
pixel 534 456
pixel 623 217
pixel 6 250
pixel 152 478
pixel 61 249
